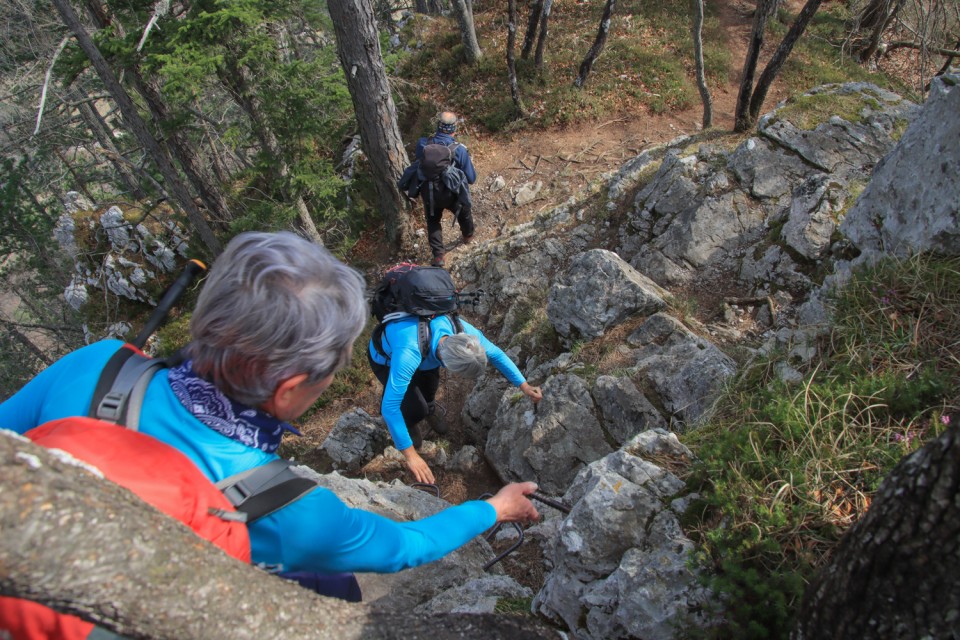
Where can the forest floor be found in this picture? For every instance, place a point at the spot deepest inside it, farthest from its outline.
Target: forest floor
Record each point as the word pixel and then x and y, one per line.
pixel 564 160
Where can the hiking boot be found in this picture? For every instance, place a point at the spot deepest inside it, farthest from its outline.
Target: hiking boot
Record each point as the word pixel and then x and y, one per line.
pixel 436 418
pixel 468 239
pixel 437 261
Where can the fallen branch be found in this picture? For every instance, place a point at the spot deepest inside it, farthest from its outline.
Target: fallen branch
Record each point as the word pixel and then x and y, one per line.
pixel 919 46
pixel 600 126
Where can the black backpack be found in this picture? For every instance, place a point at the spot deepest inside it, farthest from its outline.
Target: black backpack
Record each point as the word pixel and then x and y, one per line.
pixel 426 292
pixel 437 159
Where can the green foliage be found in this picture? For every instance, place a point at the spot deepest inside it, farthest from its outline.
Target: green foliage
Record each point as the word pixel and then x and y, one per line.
pixel 784 470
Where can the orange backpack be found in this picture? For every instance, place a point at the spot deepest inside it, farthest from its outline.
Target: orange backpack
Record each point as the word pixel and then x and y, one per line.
pixel 159 474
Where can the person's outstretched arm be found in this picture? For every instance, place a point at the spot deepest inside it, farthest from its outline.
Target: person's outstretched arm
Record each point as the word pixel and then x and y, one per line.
pixel 321 533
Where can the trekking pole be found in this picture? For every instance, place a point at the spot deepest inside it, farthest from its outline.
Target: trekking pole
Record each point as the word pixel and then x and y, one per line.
pixel 170 296
pixel 559 506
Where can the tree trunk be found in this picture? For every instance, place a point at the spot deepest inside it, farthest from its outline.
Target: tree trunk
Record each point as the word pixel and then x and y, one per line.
pixel 542 38
pixel 532 23
pixel 511 62
pixel 874 14
pixel 598 43
pixel 80 181
pixel 463 10
pixel 133 120
pixel 881 17
pixel 234 77
pixel 698 63
pixel 780 57
pixel 177 145
pixel 181 148
pixel 85 546
pixel 894 573
pixel 763 11
pixel 358 46
pixel 104 137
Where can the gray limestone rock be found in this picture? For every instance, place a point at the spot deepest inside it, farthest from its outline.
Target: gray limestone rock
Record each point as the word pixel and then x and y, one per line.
pixel 912 202
pixel 550 443
pixel 354 441
pixel 598 291
pixel 686 371
pixel 619 564
pixel 624 410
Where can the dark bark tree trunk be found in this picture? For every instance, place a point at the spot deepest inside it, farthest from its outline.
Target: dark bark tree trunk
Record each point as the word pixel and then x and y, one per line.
pixel 598 43
pixel 87 547
pixel 182 149
pixel 80 180
pixel 511 62
pixel 780 57
pixel 358 46
pixel 542 38
pixel 763 11
pixel 894 573
pixel 946 64
pixel 177 145
pixel 463 10
pixel 14 331
pixel 101 132
pixel 875 14
pixel 877 17
pixel 536 7
pixel 234 78
pixel 698 63
pixel 139 128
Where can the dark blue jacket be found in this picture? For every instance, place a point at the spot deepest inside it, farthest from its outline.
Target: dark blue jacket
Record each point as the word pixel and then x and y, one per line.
pixel 461 156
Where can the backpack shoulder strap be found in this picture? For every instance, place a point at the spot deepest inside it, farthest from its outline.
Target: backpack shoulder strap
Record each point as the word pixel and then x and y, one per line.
pixel 423 335
pixel 258 492
pixel 118 396
pixel 377 339
pixel 455 319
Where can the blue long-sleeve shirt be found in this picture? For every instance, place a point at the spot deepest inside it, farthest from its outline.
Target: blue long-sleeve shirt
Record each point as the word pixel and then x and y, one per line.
pixel 317 533
pixel 401 344
pixel 461 156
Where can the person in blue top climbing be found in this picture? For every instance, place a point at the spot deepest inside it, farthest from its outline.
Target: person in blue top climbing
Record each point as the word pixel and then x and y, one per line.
pixel 410 381
pixel 275 321
pixel 436 193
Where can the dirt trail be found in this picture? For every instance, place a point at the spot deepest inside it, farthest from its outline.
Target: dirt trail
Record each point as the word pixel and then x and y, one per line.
pixel 567 159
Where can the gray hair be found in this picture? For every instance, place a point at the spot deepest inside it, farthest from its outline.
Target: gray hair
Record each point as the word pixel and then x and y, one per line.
pixel 462 354
pixel 275 305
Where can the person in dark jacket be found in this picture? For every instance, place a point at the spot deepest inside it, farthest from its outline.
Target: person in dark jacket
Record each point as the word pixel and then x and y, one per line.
pixel 435 201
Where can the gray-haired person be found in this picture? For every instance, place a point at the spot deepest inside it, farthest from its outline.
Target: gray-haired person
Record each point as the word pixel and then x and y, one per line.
pixel 410 381
pixel 275 321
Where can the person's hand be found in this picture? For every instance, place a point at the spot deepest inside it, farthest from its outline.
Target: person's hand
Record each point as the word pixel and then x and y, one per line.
pixel 417 466
pixel 532 392
pixel 513 505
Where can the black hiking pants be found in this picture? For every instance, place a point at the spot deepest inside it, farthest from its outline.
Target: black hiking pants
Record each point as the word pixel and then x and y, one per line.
pixel 443 201
pixel 418 399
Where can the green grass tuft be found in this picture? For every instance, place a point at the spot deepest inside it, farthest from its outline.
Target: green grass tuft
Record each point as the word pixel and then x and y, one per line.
pixel 784 470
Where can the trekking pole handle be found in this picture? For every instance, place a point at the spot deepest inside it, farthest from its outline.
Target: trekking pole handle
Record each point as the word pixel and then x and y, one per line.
pixel 559 506
pixel 170 296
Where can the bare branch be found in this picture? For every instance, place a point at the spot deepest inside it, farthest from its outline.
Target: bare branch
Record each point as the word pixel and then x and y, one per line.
pixel 46 81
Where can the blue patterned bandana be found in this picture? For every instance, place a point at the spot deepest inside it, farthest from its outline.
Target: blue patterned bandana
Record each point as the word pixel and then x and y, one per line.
pixel 239 422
